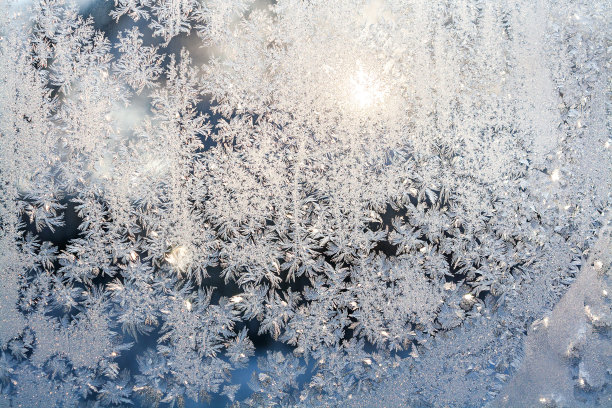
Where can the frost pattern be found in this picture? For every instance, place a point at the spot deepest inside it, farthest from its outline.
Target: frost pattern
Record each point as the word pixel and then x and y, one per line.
pixel 403 198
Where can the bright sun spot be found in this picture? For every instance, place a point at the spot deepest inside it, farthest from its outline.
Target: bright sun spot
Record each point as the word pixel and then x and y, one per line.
pixel 366 89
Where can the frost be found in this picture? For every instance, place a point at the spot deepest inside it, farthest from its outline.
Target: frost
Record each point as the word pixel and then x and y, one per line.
pixel 358 202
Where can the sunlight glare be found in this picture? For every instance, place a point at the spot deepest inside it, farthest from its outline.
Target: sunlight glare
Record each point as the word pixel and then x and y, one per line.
pixel 367 90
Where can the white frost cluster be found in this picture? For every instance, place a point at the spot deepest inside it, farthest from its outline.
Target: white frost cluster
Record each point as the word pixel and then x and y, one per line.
pixel 406 200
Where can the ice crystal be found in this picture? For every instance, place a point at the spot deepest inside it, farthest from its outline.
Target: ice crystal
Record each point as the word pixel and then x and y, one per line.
pixel 357 202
